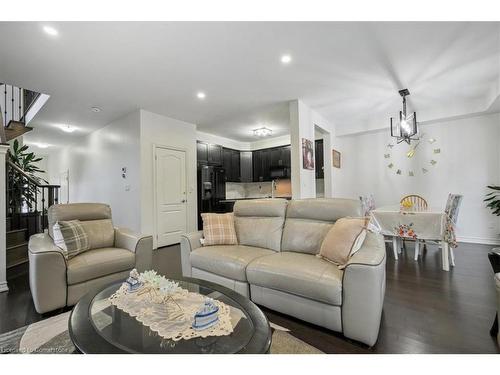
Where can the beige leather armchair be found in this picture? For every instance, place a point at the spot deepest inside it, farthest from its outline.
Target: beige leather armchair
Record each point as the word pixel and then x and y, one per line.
pixel 56 282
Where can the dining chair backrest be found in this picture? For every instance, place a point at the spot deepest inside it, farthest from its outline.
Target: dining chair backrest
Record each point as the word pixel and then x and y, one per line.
pixel 367 204
pixel 453 206
pixel 416 201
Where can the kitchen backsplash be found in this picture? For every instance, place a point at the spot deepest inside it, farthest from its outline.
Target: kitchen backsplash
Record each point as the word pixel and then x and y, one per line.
pixel 238 190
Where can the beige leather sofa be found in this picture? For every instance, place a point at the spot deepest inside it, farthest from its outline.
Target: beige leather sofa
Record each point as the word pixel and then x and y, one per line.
pixel 56 282
pixel 275 264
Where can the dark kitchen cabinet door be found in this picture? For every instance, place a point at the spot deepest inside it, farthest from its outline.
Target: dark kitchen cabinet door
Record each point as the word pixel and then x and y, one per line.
pixel 266 164
pixel 286 156
pixel 246 166
pixel 257 166
pixel 319 158
pixel 276 157
pixel 235 166
pixel 226 162
pixel 202 152
pixel 215 154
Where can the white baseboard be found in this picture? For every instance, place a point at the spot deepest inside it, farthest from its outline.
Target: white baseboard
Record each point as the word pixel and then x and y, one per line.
pixel 480 240
pixel 3 286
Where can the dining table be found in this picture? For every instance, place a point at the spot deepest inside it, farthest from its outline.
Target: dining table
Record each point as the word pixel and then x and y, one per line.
pixel 426 224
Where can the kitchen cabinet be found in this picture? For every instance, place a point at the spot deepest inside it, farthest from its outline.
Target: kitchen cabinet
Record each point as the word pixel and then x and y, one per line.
pixel 246 166
pixel 267 159
pixel 207 153
pixel 257 166
pixel 286 155
pixel 319 159
pixel 215 154
pixel 231 163
pixel 202 152
pixel 280 157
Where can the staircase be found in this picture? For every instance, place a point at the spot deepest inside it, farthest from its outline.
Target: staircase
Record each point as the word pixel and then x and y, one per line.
pixel 17 108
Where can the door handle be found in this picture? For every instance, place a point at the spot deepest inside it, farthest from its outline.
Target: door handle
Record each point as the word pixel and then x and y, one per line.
pixel 183 201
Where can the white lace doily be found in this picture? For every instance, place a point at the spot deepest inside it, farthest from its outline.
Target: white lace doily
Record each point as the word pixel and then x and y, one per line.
pixel 173 318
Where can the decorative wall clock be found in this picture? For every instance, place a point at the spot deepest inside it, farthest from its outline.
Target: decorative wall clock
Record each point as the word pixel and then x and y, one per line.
pixel 417 158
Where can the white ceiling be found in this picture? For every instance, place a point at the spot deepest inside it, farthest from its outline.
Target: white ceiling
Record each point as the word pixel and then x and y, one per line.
pixel 349 72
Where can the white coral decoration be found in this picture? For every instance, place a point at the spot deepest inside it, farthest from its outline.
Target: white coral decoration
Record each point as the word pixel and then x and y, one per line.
pixel 168 287
pixel 165 286
pixel 150 277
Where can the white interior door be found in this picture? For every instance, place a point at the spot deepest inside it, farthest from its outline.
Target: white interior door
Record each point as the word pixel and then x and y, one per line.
pixel 171 198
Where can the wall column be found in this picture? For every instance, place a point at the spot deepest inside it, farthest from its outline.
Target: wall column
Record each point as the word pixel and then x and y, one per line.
pixel 3 220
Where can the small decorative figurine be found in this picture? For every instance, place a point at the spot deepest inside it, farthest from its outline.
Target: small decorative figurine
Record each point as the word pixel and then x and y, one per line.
pixel 207 316
pixel 133 282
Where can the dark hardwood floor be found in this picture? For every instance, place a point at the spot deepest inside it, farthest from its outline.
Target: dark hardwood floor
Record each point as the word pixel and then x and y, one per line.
pixel 426 310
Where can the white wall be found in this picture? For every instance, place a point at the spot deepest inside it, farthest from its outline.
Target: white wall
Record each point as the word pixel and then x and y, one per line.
pixel 303 123
pixel 164 131
pixel 469 160
pixel 95 161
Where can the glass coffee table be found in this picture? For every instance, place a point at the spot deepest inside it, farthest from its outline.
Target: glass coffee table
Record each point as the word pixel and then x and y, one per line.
pixel 96 326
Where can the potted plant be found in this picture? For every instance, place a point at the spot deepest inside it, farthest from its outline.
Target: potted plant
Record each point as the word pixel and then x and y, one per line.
pixel 493 199
pixel 22 193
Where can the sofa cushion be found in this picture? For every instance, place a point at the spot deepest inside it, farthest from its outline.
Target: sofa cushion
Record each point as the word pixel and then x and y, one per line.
pixel 229 261
pixel 309 220
pixel 259 222
pixel 71 237
pixel 101 233
pixel 304 275
pixel 218 229
pixel 97 263
pixel 343 240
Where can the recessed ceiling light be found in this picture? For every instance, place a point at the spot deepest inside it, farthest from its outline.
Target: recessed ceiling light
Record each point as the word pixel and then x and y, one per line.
pixel 50 30
pixel 67 128
pixel 262 132
pixel 41 145
pixel 201 95
pixel 96 109
pixel 286 59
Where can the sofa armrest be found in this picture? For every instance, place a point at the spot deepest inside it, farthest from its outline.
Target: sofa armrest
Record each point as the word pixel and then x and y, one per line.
pixel 47 273
pixel 189 242
pixel 140 244
pixel 363 289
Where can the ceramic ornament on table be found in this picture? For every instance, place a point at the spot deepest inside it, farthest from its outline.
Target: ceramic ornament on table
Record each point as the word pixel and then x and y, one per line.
pixel 207 316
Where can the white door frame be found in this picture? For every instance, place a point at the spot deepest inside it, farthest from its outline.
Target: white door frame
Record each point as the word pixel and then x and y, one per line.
pixel 155 205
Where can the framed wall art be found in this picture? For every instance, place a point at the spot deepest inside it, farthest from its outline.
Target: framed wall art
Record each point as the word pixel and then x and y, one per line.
pixel 336 158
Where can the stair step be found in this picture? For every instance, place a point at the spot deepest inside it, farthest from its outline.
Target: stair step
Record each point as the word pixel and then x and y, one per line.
pixel 16 237
pixel 17 254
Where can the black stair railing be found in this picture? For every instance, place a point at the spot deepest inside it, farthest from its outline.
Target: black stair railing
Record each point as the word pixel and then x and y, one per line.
pixel 28 199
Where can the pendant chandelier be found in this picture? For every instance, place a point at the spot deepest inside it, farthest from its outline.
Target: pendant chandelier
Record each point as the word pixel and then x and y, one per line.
pixel 406 128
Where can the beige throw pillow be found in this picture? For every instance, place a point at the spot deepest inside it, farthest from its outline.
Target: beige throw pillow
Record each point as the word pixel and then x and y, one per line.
pixel 71 237
pixel 343 240
pixel 218 229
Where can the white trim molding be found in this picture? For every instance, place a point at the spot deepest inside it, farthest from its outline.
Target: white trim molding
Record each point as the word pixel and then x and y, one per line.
pixel 480 240
pixel 3 220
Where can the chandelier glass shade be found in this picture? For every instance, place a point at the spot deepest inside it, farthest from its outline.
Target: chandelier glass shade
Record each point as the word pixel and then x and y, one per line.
pixel 405 128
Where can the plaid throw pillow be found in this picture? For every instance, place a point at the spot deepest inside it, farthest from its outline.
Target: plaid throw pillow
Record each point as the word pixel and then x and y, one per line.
pixel 71 237
pixel 218 229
